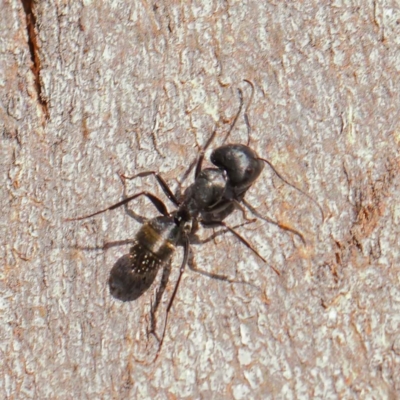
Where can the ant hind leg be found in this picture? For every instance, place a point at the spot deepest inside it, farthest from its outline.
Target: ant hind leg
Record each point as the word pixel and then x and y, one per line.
pixel 186 246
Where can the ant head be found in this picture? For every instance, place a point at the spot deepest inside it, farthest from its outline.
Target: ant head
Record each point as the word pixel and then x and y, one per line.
pixel 241 164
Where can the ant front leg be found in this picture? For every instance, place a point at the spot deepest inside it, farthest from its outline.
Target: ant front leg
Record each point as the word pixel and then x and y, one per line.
pixel 226 207
pixel 161 182
pixel 271 221
pixel 162 209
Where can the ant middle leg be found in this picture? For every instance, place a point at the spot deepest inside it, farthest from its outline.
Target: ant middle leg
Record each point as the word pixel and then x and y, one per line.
pixel 241 239
pixel 214 235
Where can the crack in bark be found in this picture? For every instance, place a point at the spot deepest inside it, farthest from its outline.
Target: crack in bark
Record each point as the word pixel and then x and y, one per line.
pixel 28 6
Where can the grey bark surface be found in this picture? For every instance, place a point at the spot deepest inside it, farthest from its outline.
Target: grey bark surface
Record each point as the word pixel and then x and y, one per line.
pixel 90 90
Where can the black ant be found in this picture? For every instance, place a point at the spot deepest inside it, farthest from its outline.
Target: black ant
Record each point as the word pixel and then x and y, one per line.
pixel 215 194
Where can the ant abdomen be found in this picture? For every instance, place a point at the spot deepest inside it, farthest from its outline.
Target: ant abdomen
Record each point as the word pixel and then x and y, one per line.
pixel 154 245
pixel 125 282
pixel 159 236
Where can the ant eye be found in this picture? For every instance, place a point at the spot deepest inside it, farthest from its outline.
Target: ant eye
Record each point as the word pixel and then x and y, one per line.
pixel 249 171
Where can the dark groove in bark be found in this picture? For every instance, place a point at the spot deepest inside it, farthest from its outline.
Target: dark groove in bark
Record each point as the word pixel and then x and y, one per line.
pixel 34 50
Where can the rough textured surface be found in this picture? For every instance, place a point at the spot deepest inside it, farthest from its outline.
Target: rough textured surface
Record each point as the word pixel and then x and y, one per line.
pixel 96 90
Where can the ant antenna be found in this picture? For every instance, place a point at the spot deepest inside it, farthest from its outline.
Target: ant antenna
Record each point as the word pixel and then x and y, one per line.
pixel 246 118
pixel 293 186
pixel 198 162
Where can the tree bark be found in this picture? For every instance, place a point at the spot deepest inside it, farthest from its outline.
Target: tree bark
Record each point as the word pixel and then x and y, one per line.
pixel 90 90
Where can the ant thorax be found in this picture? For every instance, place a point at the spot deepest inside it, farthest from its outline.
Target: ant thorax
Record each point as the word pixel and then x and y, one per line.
pixel 207 190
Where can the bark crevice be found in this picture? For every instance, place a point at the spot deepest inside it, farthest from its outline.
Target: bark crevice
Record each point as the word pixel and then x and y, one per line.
pixel 29 6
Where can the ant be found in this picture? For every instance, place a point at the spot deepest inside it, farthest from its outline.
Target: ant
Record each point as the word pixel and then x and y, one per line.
pixel 214 194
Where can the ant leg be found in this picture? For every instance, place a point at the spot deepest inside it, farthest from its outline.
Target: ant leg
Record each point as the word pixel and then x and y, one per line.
pixel 294 187
pixel 219 233
pixel 186 246
pixel 161 182
pixel 155 201
pixel 239 207
pixel 241 238
pixel 271 221
pixel 225 208
pixel 154 305
pixel 115 243
pixel 192 266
